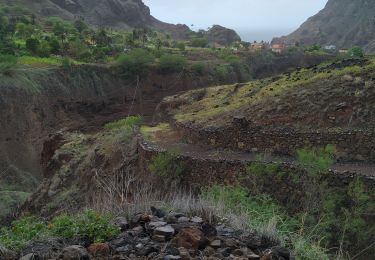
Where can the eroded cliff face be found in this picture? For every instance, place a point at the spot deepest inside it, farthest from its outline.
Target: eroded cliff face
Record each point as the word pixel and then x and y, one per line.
pixel 343 23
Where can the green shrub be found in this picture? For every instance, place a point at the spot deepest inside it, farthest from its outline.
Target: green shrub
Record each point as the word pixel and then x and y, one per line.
pixel 221 71
pixel 89 224
pixel 95 227
pixel 170 63
pixel 356 52
pixel 158 53
pixel 22 231
pixel 199 68
pixel 127 123
pixel 7 64
pixel 199 42
pixel 33 45
pixel 136 61
pixel 166 164
pixel 232 59
pixel 181 46
pixel 66 62
pixel 316 160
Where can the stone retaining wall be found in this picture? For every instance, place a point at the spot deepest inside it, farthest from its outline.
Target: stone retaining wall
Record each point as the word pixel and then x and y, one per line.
pixel 203 172
pixel 357 145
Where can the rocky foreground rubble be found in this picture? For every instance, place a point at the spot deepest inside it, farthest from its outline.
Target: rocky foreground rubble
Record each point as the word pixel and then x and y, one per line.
pixel 163 236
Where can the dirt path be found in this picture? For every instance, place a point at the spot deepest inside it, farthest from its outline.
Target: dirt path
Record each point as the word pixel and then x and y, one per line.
pixel 171 140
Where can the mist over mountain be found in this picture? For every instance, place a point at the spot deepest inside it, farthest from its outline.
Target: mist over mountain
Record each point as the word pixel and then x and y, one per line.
pixel 343 23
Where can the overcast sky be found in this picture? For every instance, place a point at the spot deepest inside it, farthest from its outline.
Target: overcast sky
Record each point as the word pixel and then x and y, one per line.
pixel 252 19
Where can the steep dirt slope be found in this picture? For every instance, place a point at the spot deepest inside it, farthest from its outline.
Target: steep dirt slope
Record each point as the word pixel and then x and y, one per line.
pixel 342 22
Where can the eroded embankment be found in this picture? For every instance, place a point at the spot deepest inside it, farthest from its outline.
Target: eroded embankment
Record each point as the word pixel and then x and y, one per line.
pixel 37 102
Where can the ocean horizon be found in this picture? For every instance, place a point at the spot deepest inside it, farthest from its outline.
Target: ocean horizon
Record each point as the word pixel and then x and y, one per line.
pixel 251 35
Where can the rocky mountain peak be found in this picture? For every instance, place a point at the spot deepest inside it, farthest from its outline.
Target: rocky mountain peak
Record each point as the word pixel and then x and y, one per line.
pixel 343 23
pixel 222 35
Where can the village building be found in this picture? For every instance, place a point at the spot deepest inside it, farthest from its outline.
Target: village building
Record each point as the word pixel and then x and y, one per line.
pixel 257 46
pixel 278 47
pixel 343 51
pixel 330 47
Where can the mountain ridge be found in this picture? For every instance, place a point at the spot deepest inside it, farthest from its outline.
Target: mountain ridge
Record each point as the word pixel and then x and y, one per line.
pixel 119 14
pixel 343 23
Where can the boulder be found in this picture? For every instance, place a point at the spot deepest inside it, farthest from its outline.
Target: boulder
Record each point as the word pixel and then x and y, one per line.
pixel 99 249
pixel 122 223
pixel 74 252
pixel 190 238
pixel 166 231
pixel 158 212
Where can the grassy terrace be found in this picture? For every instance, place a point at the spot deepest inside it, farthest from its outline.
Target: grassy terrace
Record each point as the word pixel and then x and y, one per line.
pixel 219 102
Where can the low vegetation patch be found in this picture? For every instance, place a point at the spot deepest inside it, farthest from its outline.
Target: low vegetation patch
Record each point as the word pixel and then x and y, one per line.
pixel 317 160
pixel 89 224
pixel 7 64
pixel 127 123
pixel 166 164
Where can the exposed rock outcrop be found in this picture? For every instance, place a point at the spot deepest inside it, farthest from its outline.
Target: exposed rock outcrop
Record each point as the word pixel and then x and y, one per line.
pixel 343 23
pixel 221 35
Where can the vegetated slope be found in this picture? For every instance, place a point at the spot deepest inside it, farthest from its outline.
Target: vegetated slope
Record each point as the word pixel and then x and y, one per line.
pixel 331 95
pixel 122 14
pixel 343 23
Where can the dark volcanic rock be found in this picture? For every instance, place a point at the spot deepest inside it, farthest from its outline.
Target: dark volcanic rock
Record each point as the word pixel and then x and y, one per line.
pixel 158 240
pixel 343 23
pixel 221 35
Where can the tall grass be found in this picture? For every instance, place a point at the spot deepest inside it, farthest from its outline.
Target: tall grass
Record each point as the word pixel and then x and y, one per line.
pixel 261 213
pixel 127 123
pixel 7 64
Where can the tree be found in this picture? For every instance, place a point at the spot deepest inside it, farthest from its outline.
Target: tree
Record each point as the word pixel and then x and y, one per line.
pixel 136 61
pixel 181 46
pixel 159 44
pixel 357 52
pixel 55 46
pixel 170 63
pixel 60 30
pixel 44 49
pixel 24 30
pixel 101 38
pixel 80 25
pixel 33 45
pixel 199 42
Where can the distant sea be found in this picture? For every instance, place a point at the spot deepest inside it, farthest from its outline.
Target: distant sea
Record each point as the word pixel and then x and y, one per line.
pixel 251 35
